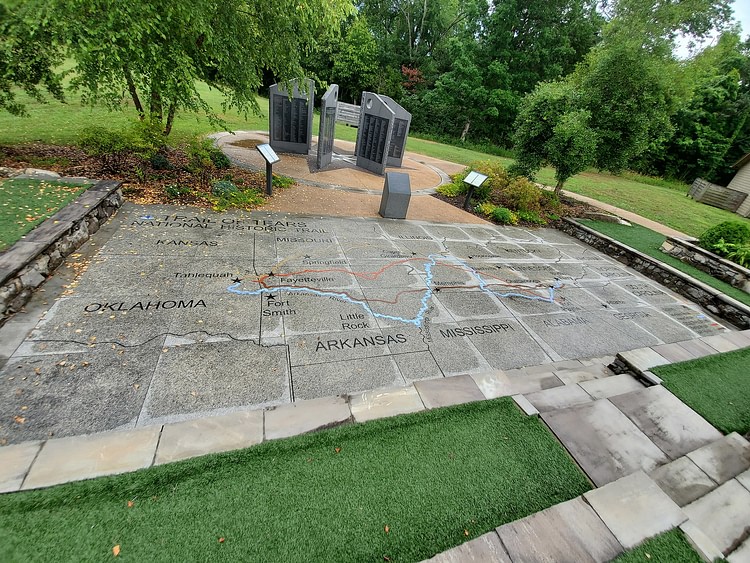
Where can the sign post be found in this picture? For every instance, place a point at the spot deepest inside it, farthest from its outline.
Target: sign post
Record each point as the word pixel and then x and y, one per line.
pixel 474 180
pixel 271 158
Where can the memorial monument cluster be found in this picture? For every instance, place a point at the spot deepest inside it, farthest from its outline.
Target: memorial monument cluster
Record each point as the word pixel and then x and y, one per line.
pixel 381 135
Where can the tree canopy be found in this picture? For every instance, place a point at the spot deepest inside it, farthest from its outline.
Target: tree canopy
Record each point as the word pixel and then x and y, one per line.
pixel 157 51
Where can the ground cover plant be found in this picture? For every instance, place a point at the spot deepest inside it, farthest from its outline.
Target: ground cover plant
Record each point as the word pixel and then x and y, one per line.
pixel 399 489
pixel 730 239
pixel 716 387
pixel 649 242
pixel 504 198
pixel 669 546
pixel 26 203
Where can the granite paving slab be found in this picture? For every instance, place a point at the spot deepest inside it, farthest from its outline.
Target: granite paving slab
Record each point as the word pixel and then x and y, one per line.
pixel 673 352
pixel 634 508
pixel 380 403
pixel 642 359
pixel 558 398
pixel 242 310
pixel 192 438
pixel 720 343
pixel 723 514
pixel 494 384
pixel 570 531
pixel 744 479
pixel 603 441
pixel 683 480
pixel 611 386
pixel 305 416
pixel 448 391
pixel 723 459
pixel 85 457
pixel 484 548
pixel 668 422
pixel 15 462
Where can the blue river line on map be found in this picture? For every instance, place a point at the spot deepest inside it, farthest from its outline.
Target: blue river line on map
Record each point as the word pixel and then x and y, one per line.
pixel 419 318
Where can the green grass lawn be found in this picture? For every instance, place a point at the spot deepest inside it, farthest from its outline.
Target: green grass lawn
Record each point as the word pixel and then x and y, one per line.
pixel 398 489
pixel 649 242
pixel 669 547
pixel 26 203
pixel 716 387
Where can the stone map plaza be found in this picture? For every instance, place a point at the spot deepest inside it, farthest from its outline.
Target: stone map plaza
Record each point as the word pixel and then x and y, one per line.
pixel 184 313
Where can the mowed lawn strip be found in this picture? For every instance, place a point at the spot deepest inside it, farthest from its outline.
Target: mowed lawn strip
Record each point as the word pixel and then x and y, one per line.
pixel 667 547
pixel 649 242
pixel 716 387
pixel 403 488
pixel 26 203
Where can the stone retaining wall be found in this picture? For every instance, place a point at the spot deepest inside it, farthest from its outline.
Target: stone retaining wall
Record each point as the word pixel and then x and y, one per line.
pixel 35 257
pixel 718 267
pixel 707 297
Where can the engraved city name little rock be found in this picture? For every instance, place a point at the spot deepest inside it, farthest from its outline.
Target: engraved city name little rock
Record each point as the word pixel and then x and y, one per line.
pixel 360 324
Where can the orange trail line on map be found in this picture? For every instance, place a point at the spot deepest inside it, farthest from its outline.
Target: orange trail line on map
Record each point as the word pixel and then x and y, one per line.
pixel 376 274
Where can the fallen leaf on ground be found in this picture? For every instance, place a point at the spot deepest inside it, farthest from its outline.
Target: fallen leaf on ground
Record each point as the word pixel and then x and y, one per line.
pixel 337 450
pixel 130 504
pixel 221 540
pixel 387 528
pixel 466 532
pixel 19 419
pixel 116 550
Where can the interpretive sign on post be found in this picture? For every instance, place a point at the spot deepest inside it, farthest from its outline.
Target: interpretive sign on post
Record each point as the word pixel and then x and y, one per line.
pixel 271 158
pixel 374 134
pixel 291 117
pixel 401 126
pixel 327 125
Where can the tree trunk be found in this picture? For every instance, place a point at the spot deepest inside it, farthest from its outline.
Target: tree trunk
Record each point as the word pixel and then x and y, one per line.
pixel 465 131
pixel 170 119
pixel 155 108
pixel 558 187
pixel 134 94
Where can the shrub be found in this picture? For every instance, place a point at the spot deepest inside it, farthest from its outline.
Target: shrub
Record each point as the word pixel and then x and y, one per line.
pixel 244 199
pixel 504 216
pixel 531 217
pixel 738 253
pixel 219 159
pixel 176 190
pixel 522 195
pixel 486 208
pixel 451 190
pixel 497 179
pixel 160 162
pixel 550 200
pixel 222 188
pixel 732 232
pixel 281 181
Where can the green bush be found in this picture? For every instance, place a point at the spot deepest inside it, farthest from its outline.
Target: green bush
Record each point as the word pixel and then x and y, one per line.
pixel 100 141
pixel 222 188
pixel 497 179
pixel 531 217
pixel 550 201
pixel 281 181
pixel 732 232
pixel 243 199
pixel 451 190
pixel 504 216
pixel 486 208
pixel 160 162
pixel 176 190
pixel 219 159
pixel 738 253
pixel 521 195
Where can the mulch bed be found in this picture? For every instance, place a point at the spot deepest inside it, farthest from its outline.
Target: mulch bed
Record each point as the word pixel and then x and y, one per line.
pixel 142 183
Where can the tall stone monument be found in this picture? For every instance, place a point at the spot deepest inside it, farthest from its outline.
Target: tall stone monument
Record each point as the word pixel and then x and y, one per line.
pixel 374 133
pixel 400 132
pixel 291 120
pixel 327 125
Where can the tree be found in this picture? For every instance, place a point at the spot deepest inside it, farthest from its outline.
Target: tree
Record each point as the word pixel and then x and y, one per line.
pixel 552 130
pixel 158 51
pixel 28 56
